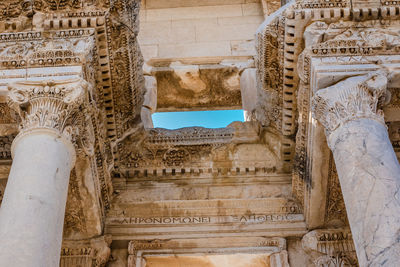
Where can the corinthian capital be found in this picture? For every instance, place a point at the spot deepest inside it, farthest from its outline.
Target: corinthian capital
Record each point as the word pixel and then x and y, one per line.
pixel 351 99
pixel 48 104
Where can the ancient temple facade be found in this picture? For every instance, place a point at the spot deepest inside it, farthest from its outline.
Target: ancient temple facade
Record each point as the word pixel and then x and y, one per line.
pixel 310 178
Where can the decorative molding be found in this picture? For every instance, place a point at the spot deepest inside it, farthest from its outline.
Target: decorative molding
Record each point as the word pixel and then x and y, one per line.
pixel 351 99
pixel 195 150
pixel 335 207
pixel 75 220
pixel 95 252
pixel 5 146
pixel 275 247
pixel 394 135
pixel 269 62
pixel 2 188
pixel 55 48
pixel 315 4
pixel 190 136
pixel 330 248
pixel 6 115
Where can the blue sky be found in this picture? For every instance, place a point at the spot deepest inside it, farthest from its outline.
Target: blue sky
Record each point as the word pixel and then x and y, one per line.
pixel 208 119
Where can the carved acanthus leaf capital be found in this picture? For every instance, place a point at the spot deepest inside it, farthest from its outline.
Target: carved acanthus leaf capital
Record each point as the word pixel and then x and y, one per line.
pixel 330 247
pixel 48 104
pixel 351 99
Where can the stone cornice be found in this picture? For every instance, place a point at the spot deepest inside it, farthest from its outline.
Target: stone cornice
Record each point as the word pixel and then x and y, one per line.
pixel 354 98
pixel 46 49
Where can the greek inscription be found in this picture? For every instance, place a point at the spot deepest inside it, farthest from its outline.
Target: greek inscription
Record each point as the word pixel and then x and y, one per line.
pixel 262 218
pixel 244 219
pixel 166 220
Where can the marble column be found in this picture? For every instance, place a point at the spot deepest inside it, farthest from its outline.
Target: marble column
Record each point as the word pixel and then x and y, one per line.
pixel 368 169
pixel 32 212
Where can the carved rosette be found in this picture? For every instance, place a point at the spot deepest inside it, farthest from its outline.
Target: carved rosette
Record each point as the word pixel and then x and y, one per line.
pixel 53 105
pixel 351 99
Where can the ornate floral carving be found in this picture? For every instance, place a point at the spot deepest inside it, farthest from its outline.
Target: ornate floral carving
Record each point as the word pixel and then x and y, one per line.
pixel 270 73
pixel 395 97
pixel 6 115
pixel 74 221
pixel 50 104
pixel 336 260
pixel 394 135
pixel 1 193
pixel 5 146
pixel 335 207
pixel 322 3
pixel 354 98
pixel 190 136
pixel 86 253
pixel 176 157
pixel 62 48
pixel 14 8
pixel 331 248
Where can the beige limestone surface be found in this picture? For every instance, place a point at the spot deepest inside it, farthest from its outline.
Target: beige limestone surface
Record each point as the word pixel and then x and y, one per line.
pixel 237 260
pixel 368 168
pixel 199 29
pixel 33 208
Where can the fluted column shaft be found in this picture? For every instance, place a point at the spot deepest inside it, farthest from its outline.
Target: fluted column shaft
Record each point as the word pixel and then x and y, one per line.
pixel 33 207
pixel 367 166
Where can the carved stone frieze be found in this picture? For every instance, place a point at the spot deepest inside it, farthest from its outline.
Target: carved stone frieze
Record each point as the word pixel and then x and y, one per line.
pixel 367 41
pixel 6 115
pixel 331 248
pixel 16 8
pixel 75 221
pixel 5 146
pixel 276 104
pixel 239 148
pixel 86 253
pixel 190 136
pixel 394 98
pixel 270 7
pixel 335 212
pixel 394 135
pixel 36 49
pixel 2 188
pixel 315 4
pixel 270 73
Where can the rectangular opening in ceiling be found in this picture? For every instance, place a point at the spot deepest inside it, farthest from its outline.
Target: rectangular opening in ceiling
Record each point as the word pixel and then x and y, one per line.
pixel 207 119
